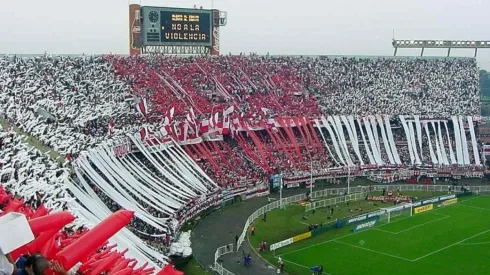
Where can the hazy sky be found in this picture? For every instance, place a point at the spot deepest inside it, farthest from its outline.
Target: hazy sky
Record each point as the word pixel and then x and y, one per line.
pixel 330 27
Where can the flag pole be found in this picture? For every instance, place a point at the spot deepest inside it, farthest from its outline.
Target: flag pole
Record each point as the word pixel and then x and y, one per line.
pixel 348 180
pixel 280 193
pixel 311 174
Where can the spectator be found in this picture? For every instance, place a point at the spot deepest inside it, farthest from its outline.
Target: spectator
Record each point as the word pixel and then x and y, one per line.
pixel 7 266
pixel 36 265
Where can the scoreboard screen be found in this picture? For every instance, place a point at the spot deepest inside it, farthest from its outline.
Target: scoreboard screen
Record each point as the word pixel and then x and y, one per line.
pixel 185 27
pixel 174 26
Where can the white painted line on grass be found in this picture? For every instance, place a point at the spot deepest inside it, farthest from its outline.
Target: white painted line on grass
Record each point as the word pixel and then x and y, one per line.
pixel 329 241
pixel 374 251
pixel 396 220
pixel 377 227
pixel 449 246
pixel 437 214
pixel 344 236
pixel 474 207
pixel 300 265
pixel 482 243
pixel 410 228
pixel 385 231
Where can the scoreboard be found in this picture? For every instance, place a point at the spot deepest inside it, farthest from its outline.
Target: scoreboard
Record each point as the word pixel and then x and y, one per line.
pixel 162 26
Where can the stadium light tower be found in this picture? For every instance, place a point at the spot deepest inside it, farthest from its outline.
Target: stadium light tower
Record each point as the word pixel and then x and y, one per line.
pixel 439 44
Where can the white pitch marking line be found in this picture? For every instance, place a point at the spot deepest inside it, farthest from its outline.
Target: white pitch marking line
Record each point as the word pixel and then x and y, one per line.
pixel 344 236
pixel 329 241
pixel 442 215
pixel 482 243
pixel 449 246
pixel 300 265
pixel 410 228
pixel 341 237
pixel 474 207
pixel 396 220
pixel 374 251
pixel 385 231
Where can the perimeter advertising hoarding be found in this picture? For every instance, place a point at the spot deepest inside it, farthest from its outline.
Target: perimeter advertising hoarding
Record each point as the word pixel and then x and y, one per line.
pixel 401 207
pixel 175 26
pixel 424 208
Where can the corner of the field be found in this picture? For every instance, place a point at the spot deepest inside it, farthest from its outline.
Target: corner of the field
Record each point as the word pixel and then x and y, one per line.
pixel 260 256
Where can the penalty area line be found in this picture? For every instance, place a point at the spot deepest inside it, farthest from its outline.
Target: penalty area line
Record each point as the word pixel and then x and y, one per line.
pixel 482 243
pixel 417 226
pixel 474 207
pixel 449 246
pixel 374 251
pixel 376 228
pixel 341 237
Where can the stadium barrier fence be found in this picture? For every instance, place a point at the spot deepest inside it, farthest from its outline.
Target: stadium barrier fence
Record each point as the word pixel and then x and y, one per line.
pixel 218 267
pixel 333 201
pixel 293 199
pixel 340 191
pixel 433 188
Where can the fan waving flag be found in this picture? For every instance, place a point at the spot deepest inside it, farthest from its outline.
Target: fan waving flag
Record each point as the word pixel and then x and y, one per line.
pixel 211 122
pixel 228 111
pixel 144 133
pixel 169 117
pixel 111 128
pixel 142 107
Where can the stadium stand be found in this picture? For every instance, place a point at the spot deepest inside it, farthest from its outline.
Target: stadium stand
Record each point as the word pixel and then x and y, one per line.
pixel 37 186
pixel 170 137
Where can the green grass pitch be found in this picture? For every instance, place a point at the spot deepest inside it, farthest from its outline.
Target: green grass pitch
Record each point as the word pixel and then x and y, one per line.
pixel 454 239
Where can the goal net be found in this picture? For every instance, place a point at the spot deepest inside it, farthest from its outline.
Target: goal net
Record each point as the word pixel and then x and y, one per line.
pixel 396 212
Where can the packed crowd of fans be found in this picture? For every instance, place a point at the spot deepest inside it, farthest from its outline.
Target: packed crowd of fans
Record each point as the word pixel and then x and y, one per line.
pixel 29 174
pixel 39 182
pixel 66 103
pixel 72 104
pixel 367 86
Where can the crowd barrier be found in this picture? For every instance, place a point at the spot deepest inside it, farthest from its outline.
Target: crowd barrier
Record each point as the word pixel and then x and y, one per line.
pixel 333 201
pixel 430 188
pixel 338 192
pixel 293 199
pixel 218 267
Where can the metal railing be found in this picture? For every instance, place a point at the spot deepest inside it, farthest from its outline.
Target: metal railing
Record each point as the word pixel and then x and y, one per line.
pixel 430 188
pixel 221 270
pixel 293 199
pixel 334 201
pixel 218 267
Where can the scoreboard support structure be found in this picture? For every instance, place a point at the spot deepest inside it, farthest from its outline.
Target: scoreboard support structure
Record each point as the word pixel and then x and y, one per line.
pixel 176 50
pixel 174 31
pixel 439 44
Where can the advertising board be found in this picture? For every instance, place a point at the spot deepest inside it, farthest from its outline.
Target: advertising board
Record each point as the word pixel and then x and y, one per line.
pixel 365 225
pixel 424 208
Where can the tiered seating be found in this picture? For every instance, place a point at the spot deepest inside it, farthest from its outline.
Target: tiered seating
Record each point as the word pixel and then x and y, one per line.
pixel 34 185
pixel 292 115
